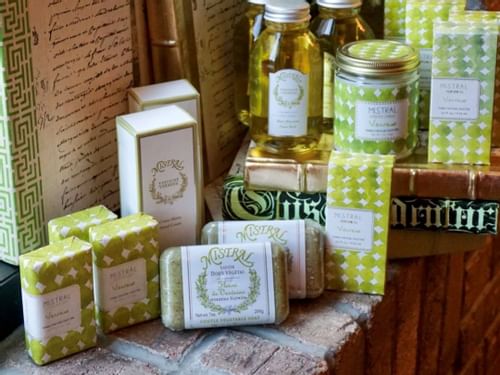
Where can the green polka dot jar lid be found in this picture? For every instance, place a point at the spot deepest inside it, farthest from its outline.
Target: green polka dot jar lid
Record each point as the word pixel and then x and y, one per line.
pixel 377 57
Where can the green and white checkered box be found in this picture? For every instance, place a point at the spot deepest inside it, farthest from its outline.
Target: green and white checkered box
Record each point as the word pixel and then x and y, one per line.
pixel 78 224
pixel 357 221
pixel 394 20
pixel 463 88
pixel 126 271
pixel 58 300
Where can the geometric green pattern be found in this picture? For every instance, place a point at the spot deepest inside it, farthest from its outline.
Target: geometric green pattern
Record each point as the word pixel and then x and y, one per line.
pixel 78 223
pixel 346 96
pixel 419 21
pixel 21 205
pixel 464 51
pixel 116 243
pixel 51 268
pixel 394 19
pixel 359 183
pixel 379 50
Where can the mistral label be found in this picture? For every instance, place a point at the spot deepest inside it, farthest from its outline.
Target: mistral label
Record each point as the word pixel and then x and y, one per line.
pixel 121 285
pixel 455 99
pixel 381 121
pixel 52 314
pixel 288 233
pixel 288 101
pixel 350 229
pixel 226 285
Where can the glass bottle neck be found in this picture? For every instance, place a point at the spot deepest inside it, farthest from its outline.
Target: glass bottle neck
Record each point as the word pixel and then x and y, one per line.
pixel 338 13
pixel 278 26
pixel 254 9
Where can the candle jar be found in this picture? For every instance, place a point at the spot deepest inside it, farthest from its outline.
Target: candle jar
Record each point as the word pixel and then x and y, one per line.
pixel 286 78
pixel 376 98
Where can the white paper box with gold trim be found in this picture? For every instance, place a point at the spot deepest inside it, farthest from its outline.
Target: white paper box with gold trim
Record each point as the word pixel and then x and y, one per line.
pixel 161 171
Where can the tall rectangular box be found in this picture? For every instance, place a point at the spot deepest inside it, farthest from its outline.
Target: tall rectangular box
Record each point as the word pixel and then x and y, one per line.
pixel 63 80
pixel 161 171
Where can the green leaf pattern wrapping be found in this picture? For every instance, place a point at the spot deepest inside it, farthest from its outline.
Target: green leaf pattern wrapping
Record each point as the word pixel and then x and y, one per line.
pixel 394 19
pixel 348 93
pixel 463 51
pixel 78 223
pixel 116 243
pixel 419 21
pixel 359 182
pixel 52 268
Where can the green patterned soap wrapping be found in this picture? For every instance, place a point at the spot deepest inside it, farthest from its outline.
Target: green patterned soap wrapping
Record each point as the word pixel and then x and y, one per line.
pixel 419 21
pixel 78 223
pixel 394 20
pixel 357 221
pixel 58 300
pixel 125 260
pixel 463 83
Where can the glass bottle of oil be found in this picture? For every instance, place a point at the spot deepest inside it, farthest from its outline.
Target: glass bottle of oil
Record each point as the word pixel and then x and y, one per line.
pixel 337 24
pixel 247 30
pixel 286 75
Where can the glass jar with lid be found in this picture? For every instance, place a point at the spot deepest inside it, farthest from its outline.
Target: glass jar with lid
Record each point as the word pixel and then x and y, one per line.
pixel 247 30
pixel 376 98
pixel 286 76
pixel 339 22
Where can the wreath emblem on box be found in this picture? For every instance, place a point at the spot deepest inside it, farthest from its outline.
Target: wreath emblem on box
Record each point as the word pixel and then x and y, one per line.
pixel 180 180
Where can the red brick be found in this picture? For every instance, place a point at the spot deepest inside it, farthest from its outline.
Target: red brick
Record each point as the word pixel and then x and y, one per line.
pixel 477 274
pixel 349 358
pixel 154 337
pixel 452 313
pixel 475 366
pixel 431 317
pixel 238 353
pixel 496 254
pixel 286 361
pixel 492 348
pixel 408 297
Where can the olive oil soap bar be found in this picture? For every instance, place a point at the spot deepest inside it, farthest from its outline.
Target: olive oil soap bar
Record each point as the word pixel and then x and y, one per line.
pixel 303 239
pixel 223 285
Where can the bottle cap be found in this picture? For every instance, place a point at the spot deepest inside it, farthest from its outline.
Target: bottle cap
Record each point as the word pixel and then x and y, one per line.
pixel 287 11
pixel 259 2
pixel 339 4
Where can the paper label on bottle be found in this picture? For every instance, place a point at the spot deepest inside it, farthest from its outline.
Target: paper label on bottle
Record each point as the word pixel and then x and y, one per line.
pixel 382 121
pixel 288 101
pixel 455 99
pixel 228 285
pixel 288 233
pixel 425 68
pixel 121 285
pixel 328 77
pixel 52 314
pixel 349 229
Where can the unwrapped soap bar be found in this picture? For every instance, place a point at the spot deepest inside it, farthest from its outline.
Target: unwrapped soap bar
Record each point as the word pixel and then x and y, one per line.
pixel 58 303
pixel 78 224
pixel 125 260
pixel 223 285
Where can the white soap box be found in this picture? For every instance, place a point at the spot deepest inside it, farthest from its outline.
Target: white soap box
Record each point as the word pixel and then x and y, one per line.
pixel 161 172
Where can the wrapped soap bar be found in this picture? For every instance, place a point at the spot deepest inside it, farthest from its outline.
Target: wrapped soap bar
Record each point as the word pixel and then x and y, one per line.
pixel 357 221
pixel 58 302
pixel 78 223
pixel 223 285
pixel 125 261
pixel 303 239
pixel 394 20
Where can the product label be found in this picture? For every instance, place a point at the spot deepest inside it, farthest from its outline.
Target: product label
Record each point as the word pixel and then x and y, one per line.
pixel 52 314
pixel 168 185
pixel 121 285
pixel 381 121
pixel 288 101
pixel 455 99
pixel 288 233
pixel 227 285
pixel 425 69
pixel 350 229
pixel 328 77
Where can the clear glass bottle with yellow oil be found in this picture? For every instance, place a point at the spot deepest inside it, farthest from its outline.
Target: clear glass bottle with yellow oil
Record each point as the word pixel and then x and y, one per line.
pixel 337 24
pixel 286 75
pixel 247 30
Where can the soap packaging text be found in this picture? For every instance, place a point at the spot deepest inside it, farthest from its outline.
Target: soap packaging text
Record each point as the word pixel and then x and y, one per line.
pixel 357 221
pixel 161 173
pixel 58 300
pixel 463 90
pixel 125 263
